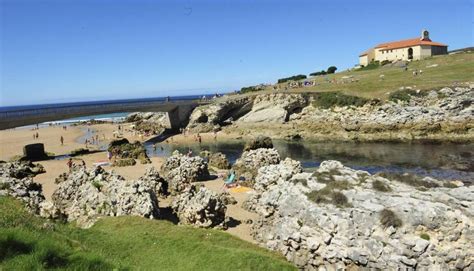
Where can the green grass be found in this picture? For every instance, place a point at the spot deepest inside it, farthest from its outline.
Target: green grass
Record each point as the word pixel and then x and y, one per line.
pixel 330 99
pixel 451 69
pixel 425 236
pixel 28 242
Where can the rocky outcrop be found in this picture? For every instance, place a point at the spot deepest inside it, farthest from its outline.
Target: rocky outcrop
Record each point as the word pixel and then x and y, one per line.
pixel 217 160
pixel 246 166
pixel 211 117
pixel 445 112
pixel 88 194
pixel 16 181
pixel 200 207
pixel 153 179
pixel 258 142
pixel 275 107
pixel 340 218
pixel 149 122
pixel 181 170
pixel 125 152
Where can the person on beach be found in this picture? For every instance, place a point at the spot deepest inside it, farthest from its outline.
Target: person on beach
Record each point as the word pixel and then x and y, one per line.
pixel 199 139
pixel 70 164
pixel 190 153
pixel 83 164
pixel 37 135
pixel 109 155
pixel 62 140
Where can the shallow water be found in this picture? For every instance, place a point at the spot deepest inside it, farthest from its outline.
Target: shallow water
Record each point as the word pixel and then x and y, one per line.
pixel 442 161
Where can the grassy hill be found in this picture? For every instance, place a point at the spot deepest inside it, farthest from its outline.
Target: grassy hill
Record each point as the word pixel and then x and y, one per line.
pixel 438 71
pixel 122 243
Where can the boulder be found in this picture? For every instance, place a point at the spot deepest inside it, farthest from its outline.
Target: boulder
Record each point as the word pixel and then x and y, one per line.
pixel 126 152
pixel 200 207
pixel 16 181
pixel 259 142
pixel 149 122
pixel 181 170
pixel 86 195
pixel 247 165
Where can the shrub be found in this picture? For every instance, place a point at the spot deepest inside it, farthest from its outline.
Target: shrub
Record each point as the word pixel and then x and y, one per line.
pixel 124 162
pixel 371 66
pixel 248 89
pixel 381 186
pixel 339 199
pixel 304 182
pixel 425 236
pixel 322 72
pixel 292 78
pixel 389 218
pixel 385 62
pixel 331 69
pixel 330 99
pixel 405 95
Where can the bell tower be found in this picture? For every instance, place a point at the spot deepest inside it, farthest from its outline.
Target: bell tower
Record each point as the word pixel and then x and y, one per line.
pixel 425 35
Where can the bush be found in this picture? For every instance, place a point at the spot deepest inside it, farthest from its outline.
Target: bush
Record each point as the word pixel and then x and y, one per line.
pixel 425 236
pixel 292 78
pixel 330 99
pixel 97 185
pixel 405 95
pixel 331 69
pixel 248 89
pixel 329 194
pixel 322 72
pixel 339 199
pixel 389 218
pixel 381 186
pixel 371 66
pixel 385 62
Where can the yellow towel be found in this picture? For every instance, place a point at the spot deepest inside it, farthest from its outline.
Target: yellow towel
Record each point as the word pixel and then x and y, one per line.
pixel 240 189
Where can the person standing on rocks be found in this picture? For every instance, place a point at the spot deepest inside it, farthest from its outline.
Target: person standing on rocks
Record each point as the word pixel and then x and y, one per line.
pixel 70 164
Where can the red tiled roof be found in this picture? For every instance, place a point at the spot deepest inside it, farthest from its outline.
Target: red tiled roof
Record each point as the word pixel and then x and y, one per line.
pixel 408 43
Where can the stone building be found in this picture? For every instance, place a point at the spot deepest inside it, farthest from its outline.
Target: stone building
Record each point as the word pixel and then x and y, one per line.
pixel 410 49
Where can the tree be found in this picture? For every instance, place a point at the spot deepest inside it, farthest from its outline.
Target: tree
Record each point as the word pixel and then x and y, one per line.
pixel 332 69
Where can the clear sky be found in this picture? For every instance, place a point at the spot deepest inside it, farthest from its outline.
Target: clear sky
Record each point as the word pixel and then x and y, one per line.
pixel 63 50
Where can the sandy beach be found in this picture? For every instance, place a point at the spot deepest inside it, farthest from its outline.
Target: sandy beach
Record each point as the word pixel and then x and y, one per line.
pixel 13 140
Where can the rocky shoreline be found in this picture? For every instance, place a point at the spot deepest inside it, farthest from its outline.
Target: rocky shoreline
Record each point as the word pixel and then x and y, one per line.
pixel 445 114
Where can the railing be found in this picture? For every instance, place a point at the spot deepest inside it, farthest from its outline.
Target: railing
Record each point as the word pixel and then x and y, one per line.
pixel 80 108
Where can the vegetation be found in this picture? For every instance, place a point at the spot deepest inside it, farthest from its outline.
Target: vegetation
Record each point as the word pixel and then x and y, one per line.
pixel 449 185
pixel 380 186
pixel 409 179
pixel 125 162
pixel 331 99
pixel 28 242
pixel 405 95
pixel 330 70
pixel 389 218
pixel 371 66
pixel 425 236
pixel 450 69
pixel 331 192
pixel 292 78
pixel 248 89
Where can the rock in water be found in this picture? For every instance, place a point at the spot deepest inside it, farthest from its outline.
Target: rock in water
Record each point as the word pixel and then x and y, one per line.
pixel 86 195
pixel 259 142
pixel 16 181
pixel 300 216
pixel 127 152
pixel 247 165
pixel 219 161
pixel 181 170
pixel 200 207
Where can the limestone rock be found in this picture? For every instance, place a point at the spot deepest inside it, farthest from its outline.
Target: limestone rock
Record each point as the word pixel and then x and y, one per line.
pixel 180 170
pixel 200 207
pixel 247 165
pixel 259 142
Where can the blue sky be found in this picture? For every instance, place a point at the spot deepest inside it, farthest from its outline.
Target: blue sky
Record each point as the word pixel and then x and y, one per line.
pixel 60 51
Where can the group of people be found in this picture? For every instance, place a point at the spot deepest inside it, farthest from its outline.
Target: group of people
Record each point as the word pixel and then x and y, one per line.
pixel 94 140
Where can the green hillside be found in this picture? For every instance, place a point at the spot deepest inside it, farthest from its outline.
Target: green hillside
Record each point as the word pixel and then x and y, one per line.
pixel 438 71
pixel 122 243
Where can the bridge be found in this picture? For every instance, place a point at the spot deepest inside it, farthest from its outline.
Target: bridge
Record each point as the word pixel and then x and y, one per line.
pixel 178 111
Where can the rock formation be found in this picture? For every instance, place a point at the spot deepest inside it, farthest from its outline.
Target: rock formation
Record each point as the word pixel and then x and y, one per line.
pixel 211 117
pixel 16 181
pixel 275 107
pixel 246 166
pixel 149 122
pixel 180 170
pixel 217 160
pixel 258 142
pixel 126 152
pixel 88 194
pixel 338 218
pixel 200 207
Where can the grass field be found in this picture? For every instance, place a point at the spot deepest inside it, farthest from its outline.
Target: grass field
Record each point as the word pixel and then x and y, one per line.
pixel 451 69
pixel 122 243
